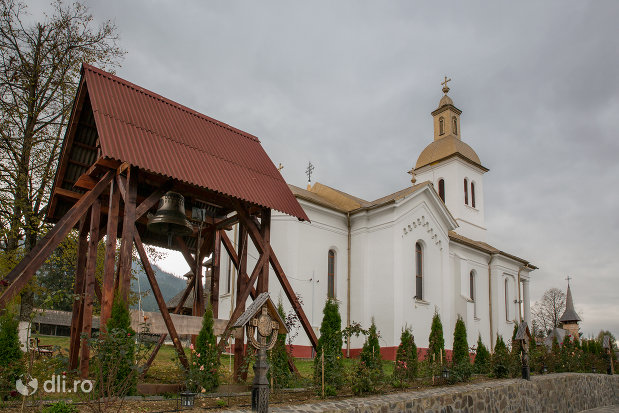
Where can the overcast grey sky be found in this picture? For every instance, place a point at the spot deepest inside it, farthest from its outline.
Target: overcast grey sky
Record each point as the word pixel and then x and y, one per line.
pixel 350 86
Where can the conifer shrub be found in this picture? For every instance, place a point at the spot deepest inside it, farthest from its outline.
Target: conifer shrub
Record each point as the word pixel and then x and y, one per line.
pixel 436 346
pixel 500 359
pixel 206 354
pixel 406 363
pixel 278 358
pixel 330 342
pixel 115 349
pixel 461 368
pixel 11 364
pixel 482 358
pixel 368 374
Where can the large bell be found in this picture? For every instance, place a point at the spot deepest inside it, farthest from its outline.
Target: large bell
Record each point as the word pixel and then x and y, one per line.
pixel 170 218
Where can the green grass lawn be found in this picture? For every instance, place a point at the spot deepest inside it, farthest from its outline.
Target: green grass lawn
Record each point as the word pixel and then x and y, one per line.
pixel 165 368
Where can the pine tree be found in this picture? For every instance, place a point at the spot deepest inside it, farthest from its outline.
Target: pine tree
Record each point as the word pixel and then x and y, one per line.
pixel 482 358
pixel 370 354
pixel 500 359
pixel 207 353
pixel 278 358
pixel 436 347
pixel 11 366
pixel 368 374
pixel 406 357
pixel 461 345
pixel 116 352
pixel 330 342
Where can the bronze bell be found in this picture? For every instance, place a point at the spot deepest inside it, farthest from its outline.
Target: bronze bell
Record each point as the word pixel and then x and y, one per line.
pixel 170 218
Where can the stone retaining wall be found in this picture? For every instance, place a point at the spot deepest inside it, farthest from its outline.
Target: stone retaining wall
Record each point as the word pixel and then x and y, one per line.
pixel 565 392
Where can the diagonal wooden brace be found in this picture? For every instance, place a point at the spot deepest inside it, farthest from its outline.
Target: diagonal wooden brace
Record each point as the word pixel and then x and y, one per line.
pixel 23 272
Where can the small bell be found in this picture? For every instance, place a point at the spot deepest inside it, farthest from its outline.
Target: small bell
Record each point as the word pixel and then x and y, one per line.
pixel 170 218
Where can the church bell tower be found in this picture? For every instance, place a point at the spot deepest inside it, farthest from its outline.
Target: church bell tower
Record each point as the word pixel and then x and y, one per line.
pixel 454 169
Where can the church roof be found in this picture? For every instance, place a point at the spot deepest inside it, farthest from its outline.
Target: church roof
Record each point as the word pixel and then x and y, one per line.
pixel 335 199
pixel 559 333
pixel 487 248
pixel 447 147
pixel 569 316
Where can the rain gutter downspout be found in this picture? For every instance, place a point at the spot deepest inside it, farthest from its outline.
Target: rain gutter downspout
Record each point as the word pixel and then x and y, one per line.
pixel 348 286
pixel 490 301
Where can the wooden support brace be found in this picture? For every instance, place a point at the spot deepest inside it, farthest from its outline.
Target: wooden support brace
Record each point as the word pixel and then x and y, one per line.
pixel 160 301
pixel 126 245
pixel 265 232
pixel 89 287
pixel 216 261
pixel 78 293
pixel 110 254
pixel 23 272
pixel 256 237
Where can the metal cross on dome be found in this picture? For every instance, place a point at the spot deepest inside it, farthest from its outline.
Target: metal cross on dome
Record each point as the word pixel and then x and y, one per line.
pixel 445 87
pixel 309 170
pixel 568 279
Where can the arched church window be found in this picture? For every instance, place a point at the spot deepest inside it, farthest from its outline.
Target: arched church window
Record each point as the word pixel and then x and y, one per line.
pixel 418 271
pixel 455 123
pixel 441 126
pixel 441 189
pixel 506 299
pixel 472 285
pixel 331 275
pixel 466 191
pixel 473 194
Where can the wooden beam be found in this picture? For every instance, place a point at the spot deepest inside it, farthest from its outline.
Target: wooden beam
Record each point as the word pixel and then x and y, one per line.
pixel 265 232
pixel 225 223
pixel 162 338
pixel 239 342
pixel 159 298
pixel 23 272
pixel 256 237
pixel 109 263
pixel 234 258
pixel 89 287
pixel 216 261
pixel 126 244
pixel 186 254
pixel 78 293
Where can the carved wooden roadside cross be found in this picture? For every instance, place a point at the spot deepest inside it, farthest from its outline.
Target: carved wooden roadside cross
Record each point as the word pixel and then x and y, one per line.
pixel 124 149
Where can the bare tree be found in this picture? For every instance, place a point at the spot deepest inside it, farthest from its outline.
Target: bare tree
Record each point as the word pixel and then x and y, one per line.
pixel 39 73
pixel 547 311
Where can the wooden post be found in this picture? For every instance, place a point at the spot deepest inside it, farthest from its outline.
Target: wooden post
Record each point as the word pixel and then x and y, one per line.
pixel 239 342
pixel 322 362
pixel 89 286
pixel 126 245
pixel 110 255
pixel 265 232
pixel 78 291
pixel 215 273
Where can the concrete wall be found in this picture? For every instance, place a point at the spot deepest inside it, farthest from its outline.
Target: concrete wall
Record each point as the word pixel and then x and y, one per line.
pixel 566 393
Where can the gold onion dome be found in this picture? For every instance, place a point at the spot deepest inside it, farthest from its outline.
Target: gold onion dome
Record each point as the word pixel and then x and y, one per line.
pixel 445 147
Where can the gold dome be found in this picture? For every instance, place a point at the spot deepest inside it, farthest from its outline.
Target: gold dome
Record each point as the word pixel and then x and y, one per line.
pixel 445 100
pixel 446 147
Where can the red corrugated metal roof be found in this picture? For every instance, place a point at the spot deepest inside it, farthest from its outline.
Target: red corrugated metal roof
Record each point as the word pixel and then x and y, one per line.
pixel 164 137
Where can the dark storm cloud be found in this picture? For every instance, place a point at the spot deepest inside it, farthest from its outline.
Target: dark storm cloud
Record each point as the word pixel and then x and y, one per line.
pixel 350 86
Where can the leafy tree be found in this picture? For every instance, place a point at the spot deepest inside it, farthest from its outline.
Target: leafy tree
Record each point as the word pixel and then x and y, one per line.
pixel 207 353
pixel 278 357
pixel 436 347
pixel 39 73
pixel 500 359
pixel 482 358
pixel 406 362
pixel 330 343
pixel 547 311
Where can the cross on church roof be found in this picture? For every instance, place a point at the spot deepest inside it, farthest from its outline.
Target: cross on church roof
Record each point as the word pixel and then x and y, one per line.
pixel 309 170
pixel 412 174
pixel 445 87
pixel 568 279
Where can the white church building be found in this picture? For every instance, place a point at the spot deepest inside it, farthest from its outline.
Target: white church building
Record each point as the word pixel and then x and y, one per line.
pixel 400 258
